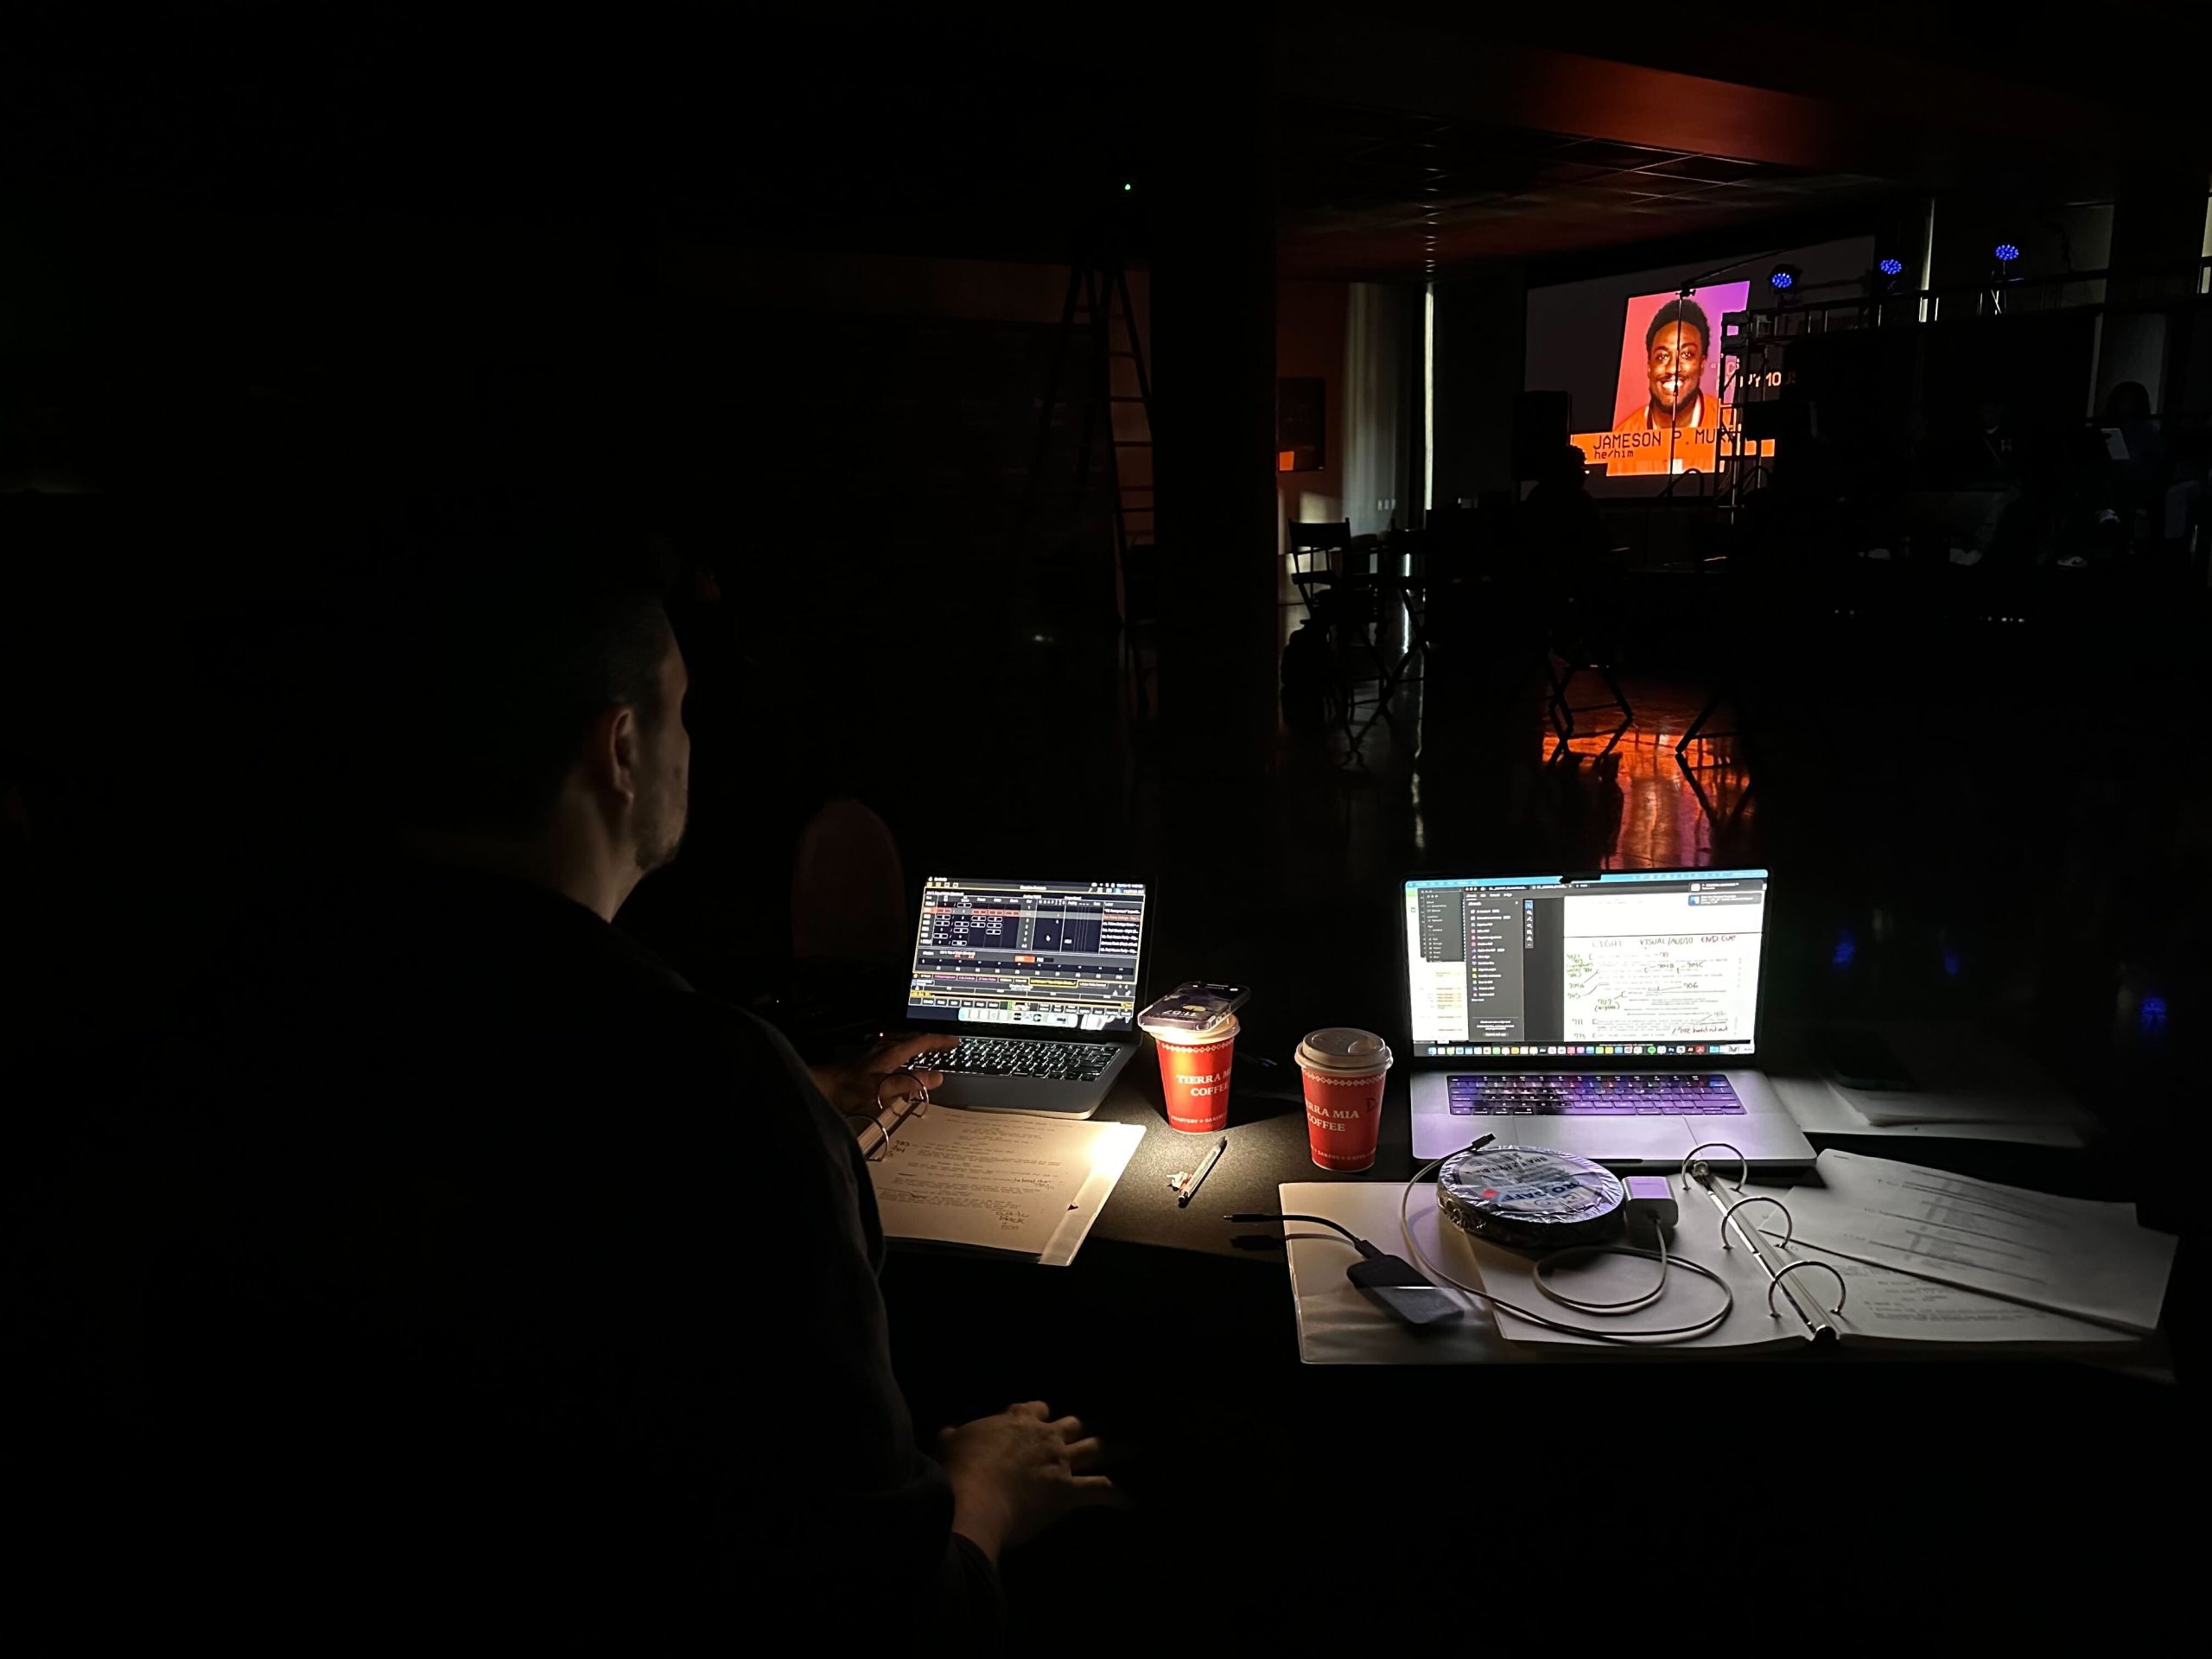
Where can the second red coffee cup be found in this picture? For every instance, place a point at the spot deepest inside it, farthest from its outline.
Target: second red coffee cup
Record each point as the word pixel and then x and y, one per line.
pixel 1194 1071
pixel 1346 1071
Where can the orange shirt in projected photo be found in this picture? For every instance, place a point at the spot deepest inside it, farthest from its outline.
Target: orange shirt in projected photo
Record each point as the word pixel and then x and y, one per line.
pixel 1637 445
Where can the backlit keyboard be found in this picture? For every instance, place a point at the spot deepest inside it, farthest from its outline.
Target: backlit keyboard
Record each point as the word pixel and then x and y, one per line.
pixel 1016 1056
pixel 1573 1094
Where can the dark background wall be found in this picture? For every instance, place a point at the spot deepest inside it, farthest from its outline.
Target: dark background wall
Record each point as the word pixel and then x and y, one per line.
pixel 1481 333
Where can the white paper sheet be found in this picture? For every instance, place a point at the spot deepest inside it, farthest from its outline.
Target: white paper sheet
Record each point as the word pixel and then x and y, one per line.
pixel 1338 1325
pixel 999 1181
pixel 1110 1156
pixel 2068 1256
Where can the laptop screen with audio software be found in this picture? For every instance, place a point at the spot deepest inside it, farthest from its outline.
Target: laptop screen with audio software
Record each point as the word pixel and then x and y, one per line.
pixel 1062 954
pixel 1641 964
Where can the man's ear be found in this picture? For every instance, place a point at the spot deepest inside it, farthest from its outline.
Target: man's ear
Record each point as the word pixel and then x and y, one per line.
pixel 611 752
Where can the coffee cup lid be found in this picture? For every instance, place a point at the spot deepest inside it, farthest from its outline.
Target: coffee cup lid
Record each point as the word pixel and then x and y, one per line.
pixel 1344 1048
pixel 1224 1028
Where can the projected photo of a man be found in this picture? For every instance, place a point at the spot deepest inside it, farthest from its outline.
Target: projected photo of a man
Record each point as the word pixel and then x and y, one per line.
pixel 1677 347
pixel 1671 402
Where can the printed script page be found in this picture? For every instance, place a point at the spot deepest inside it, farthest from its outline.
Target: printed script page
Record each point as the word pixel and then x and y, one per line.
pixel 2069 1256
pixel 994 1179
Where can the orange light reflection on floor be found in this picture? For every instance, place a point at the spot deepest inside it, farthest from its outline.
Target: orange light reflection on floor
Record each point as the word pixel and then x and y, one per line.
pixel 1663 821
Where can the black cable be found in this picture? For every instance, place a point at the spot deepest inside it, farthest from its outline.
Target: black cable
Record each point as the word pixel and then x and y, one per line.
pixel 1666 1333
pixel 1419 1259
pixel 1364 1248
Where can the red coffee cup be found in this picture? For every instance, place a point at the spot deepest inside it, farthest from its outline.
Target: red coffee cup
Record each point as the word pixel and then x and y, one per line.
pixel 1346 1071
pixel 1194 1074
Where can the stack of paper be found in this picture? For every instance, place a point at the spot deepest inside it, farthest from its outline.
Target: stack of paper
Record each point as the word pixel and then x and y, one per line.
pixel 2071 1256
pixel 995 1181
pixel 1966 1087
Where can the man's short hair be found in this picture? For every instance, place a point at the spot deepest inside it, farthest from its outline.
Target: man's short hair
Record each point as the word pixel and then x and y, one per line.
pixel 1679 309
pixel 493 640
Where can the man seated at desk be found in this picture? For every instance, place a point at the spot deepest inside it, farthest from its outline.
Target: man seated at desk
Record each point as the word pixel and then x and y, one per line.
pixel 481 1263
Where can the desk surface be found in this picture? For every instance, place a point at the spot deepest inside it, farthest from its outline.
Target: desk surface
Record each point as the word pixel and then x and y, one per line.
pixel 1177 1345
pixel 1267 1146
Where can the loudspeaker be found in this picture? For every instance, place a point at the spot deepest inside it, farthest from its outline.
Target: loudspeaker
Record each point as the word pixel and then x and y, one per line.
pixel 1542 423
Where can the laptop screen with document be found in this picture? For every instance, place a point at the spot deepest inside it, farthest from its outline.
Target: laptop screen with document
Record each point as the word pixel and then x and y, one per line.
pixel 1057 954
pixel 1627 964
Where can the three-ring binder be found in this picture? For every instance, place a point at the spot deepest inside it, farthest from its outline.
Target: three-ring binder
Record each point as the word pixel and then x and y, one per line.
pixel 889 1119
pixel 1699 1176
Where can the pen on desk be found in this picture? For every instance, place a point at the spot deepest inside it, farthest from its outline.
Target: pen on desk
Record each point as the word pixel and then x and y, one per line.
pixel 1191 1187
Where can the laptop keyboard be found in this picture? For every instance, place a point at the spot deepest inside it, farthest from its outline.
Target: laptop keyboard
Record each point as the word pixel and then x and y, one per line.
pixel 1574 1094
pixel 1016 1056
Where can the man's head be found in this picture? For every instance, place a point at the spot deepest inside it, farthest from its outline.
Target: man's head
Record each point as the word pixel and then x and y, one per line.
pixel 535 698
pixel 1675 349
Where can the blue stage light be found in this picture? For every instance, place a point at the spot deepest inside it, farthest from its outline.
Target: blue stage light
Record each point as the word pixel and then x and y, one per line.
pixel 1782 279
pixel 2006 253
pixel 1891 267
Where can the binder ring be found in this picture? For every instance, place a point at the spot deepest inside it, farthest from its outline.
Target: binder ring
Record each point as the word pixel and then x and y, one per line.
pixel 916 1101
pixel 1761 1197
pixel 1743 1164
pixel 1842 1290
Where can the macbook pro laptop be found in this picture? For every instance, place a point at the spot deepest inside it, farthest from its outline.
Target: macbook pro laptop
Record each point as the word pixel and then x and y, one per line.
pixel 1042 982
pixel 1613 1015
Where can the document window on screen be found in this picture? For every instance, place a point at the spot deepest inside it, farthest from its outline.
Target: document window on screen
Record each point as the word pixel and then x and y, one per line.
pixel 1648 964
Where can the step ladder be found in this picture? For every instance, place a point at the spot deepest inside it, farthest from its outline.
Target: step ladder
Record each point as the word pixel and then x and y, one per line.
pixel 1098 324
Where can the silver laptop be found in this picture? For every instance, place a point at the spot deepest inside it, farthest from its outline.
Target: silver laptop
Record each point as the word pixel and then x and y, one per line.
pixel 1613 1015
pixel 1042 982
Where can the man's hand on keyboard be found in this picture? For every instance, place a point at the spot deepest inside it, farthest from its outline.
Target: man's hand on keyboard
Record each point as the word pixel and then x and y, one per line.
pixel 851 1086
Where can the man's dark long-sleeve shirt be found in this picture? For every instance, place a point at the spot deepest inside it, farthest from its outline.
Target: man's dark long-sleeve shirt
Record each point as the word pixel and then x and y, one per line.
pixel 481 1256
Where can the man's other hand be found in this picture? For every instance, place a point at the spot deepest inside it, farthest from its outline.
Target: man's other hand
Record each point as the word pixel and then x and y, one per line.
pixel 859 1086
pixel 1015 1474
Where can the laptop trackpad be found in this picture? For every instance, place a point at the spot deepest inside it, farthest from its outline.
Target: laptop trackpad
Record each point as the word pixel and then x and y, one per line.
pixel 1607 1139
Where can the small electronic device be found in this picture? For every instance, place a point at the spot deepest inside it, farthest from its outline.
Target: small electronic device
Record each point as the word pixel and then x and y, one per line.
pixel 1195 1005
pixel 1391 1283
pixel 1397 1285
pixel 1859 1058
